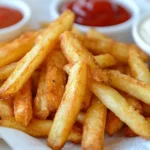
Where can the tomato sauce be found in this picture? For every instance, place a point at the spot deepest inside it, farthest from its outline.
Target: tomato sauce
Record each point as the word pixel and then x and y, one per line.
pixel 9 16
pixel 97 12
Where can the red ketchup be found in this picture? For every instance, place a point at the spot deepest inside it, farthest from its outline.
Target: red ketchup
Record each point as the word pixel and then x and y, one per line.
pixel 9 16
pixel 97 12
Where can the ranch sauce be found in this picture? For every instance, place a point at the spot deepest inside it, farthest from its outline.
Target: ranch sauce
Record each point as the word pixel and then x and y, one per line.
pixel 144 30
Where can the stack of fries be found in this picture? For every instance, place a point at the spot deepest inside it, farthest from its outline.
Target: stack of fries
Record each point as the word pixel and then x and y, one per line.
pixel 68 86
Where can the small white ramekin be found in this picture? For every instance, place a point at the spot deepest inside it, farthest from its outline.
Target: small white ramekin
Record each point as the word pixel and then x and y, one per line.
pixel 121 32
pixel 137 35
pixel 15 30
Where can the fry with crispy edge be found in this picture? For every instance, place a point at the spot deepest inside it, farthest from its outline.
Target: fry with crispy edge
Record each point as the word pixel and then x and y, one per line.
pixel 38 53
pixel 7 70
pixel 6 108
pixel 120 107
pixel 16 49
pixel 38 128
pixel 139 68
pixel 41 106
pixel 137 89
pixel 94 126
pixel 55 79
pixel 75 51
pixel 23 104
pixel 70 106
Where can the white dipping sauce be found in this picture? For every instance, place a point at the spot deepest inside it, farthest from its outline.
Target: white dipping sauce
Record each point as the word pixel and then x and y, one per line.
pixel 144 30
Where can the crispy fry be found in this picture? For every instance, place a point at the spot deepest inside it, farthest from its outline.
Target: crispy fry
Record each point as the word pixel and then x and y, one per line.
pixel 139 68
pixel 6 108
pixel 128 71
pixel 16 49
pixel 129 133
pixel 94 126
pixel 41 108
pixel 119 106
pixel 74 52
pixel 81 118
pixel 69 107
pixel 55 79
pixel 35 57
pixel 3 44
pixel 7 70
pixel 23 104
pixel 120 68
pixel 88 94
pixel 136 88
pixel 113 124
pixel 37 128
pixel 105 60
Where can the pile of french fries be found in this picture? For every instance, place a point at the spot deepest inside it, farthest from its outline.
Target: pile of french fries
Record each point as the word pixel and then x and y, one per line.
pixel 68 86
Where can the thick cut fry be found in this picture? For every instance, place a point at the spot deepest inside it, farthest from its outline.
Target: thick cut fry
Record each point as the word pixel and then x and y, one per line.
pixel 103 44
pixel 94 126
pixel 36 56
pixel 41 106
pixel 16 49
pixel 23 104
pixel 74 52
pixel 81 118
pixel 125 83
pixel 3 44
pixel 128 71
pixel 120 107
pixel 105 60
pixel 69 107
pixel 88 94
pixel 120 68
pixel 38 128
pixel 55 79
pixel 6 108
pixel 113 124
pixel 139 68
pixel 7 70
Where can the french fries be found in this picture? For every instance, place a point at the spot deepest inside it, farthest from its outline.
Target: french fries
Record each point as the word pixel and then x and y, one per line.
pixel 94 126
pixel 23 104
pixel 41 106
pixel 37 54
pixel 55 79
pixel 6 108
pixel 16 49
pixel 120 107
pixel 138 67
pixel 145 110
pixel 113 124
pixel 81 118
pixel 7 70
pixel 38 128
pixel 69 107
pixel 137 89
pixel 105 60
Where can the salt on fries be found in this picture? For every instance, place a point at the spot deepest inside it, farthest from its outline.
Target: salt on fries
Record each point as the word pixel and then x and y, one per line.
pixel 59 83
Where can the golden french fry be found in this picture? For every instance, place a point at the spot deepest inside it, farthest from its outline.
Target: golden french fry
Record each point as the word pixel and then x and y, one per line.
pixel 36 56
pixel 16 49
pixel 98 43
pixel 120 68
pixel 145 110
pixel 38 128
pixel 138 67
pixel 94 126
pixel 3 44
pixel 120 107
pixel 41 106
pixel 44 24
pixel 23 104
pixel 128 71
pixel 88 94
pixel 81 118
pixel 113 124
pixel 70 106
pixel 105 60
pixel 6 108
pixel 74 52
pixel 6 71
pixel 55 79
pixel 137 89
